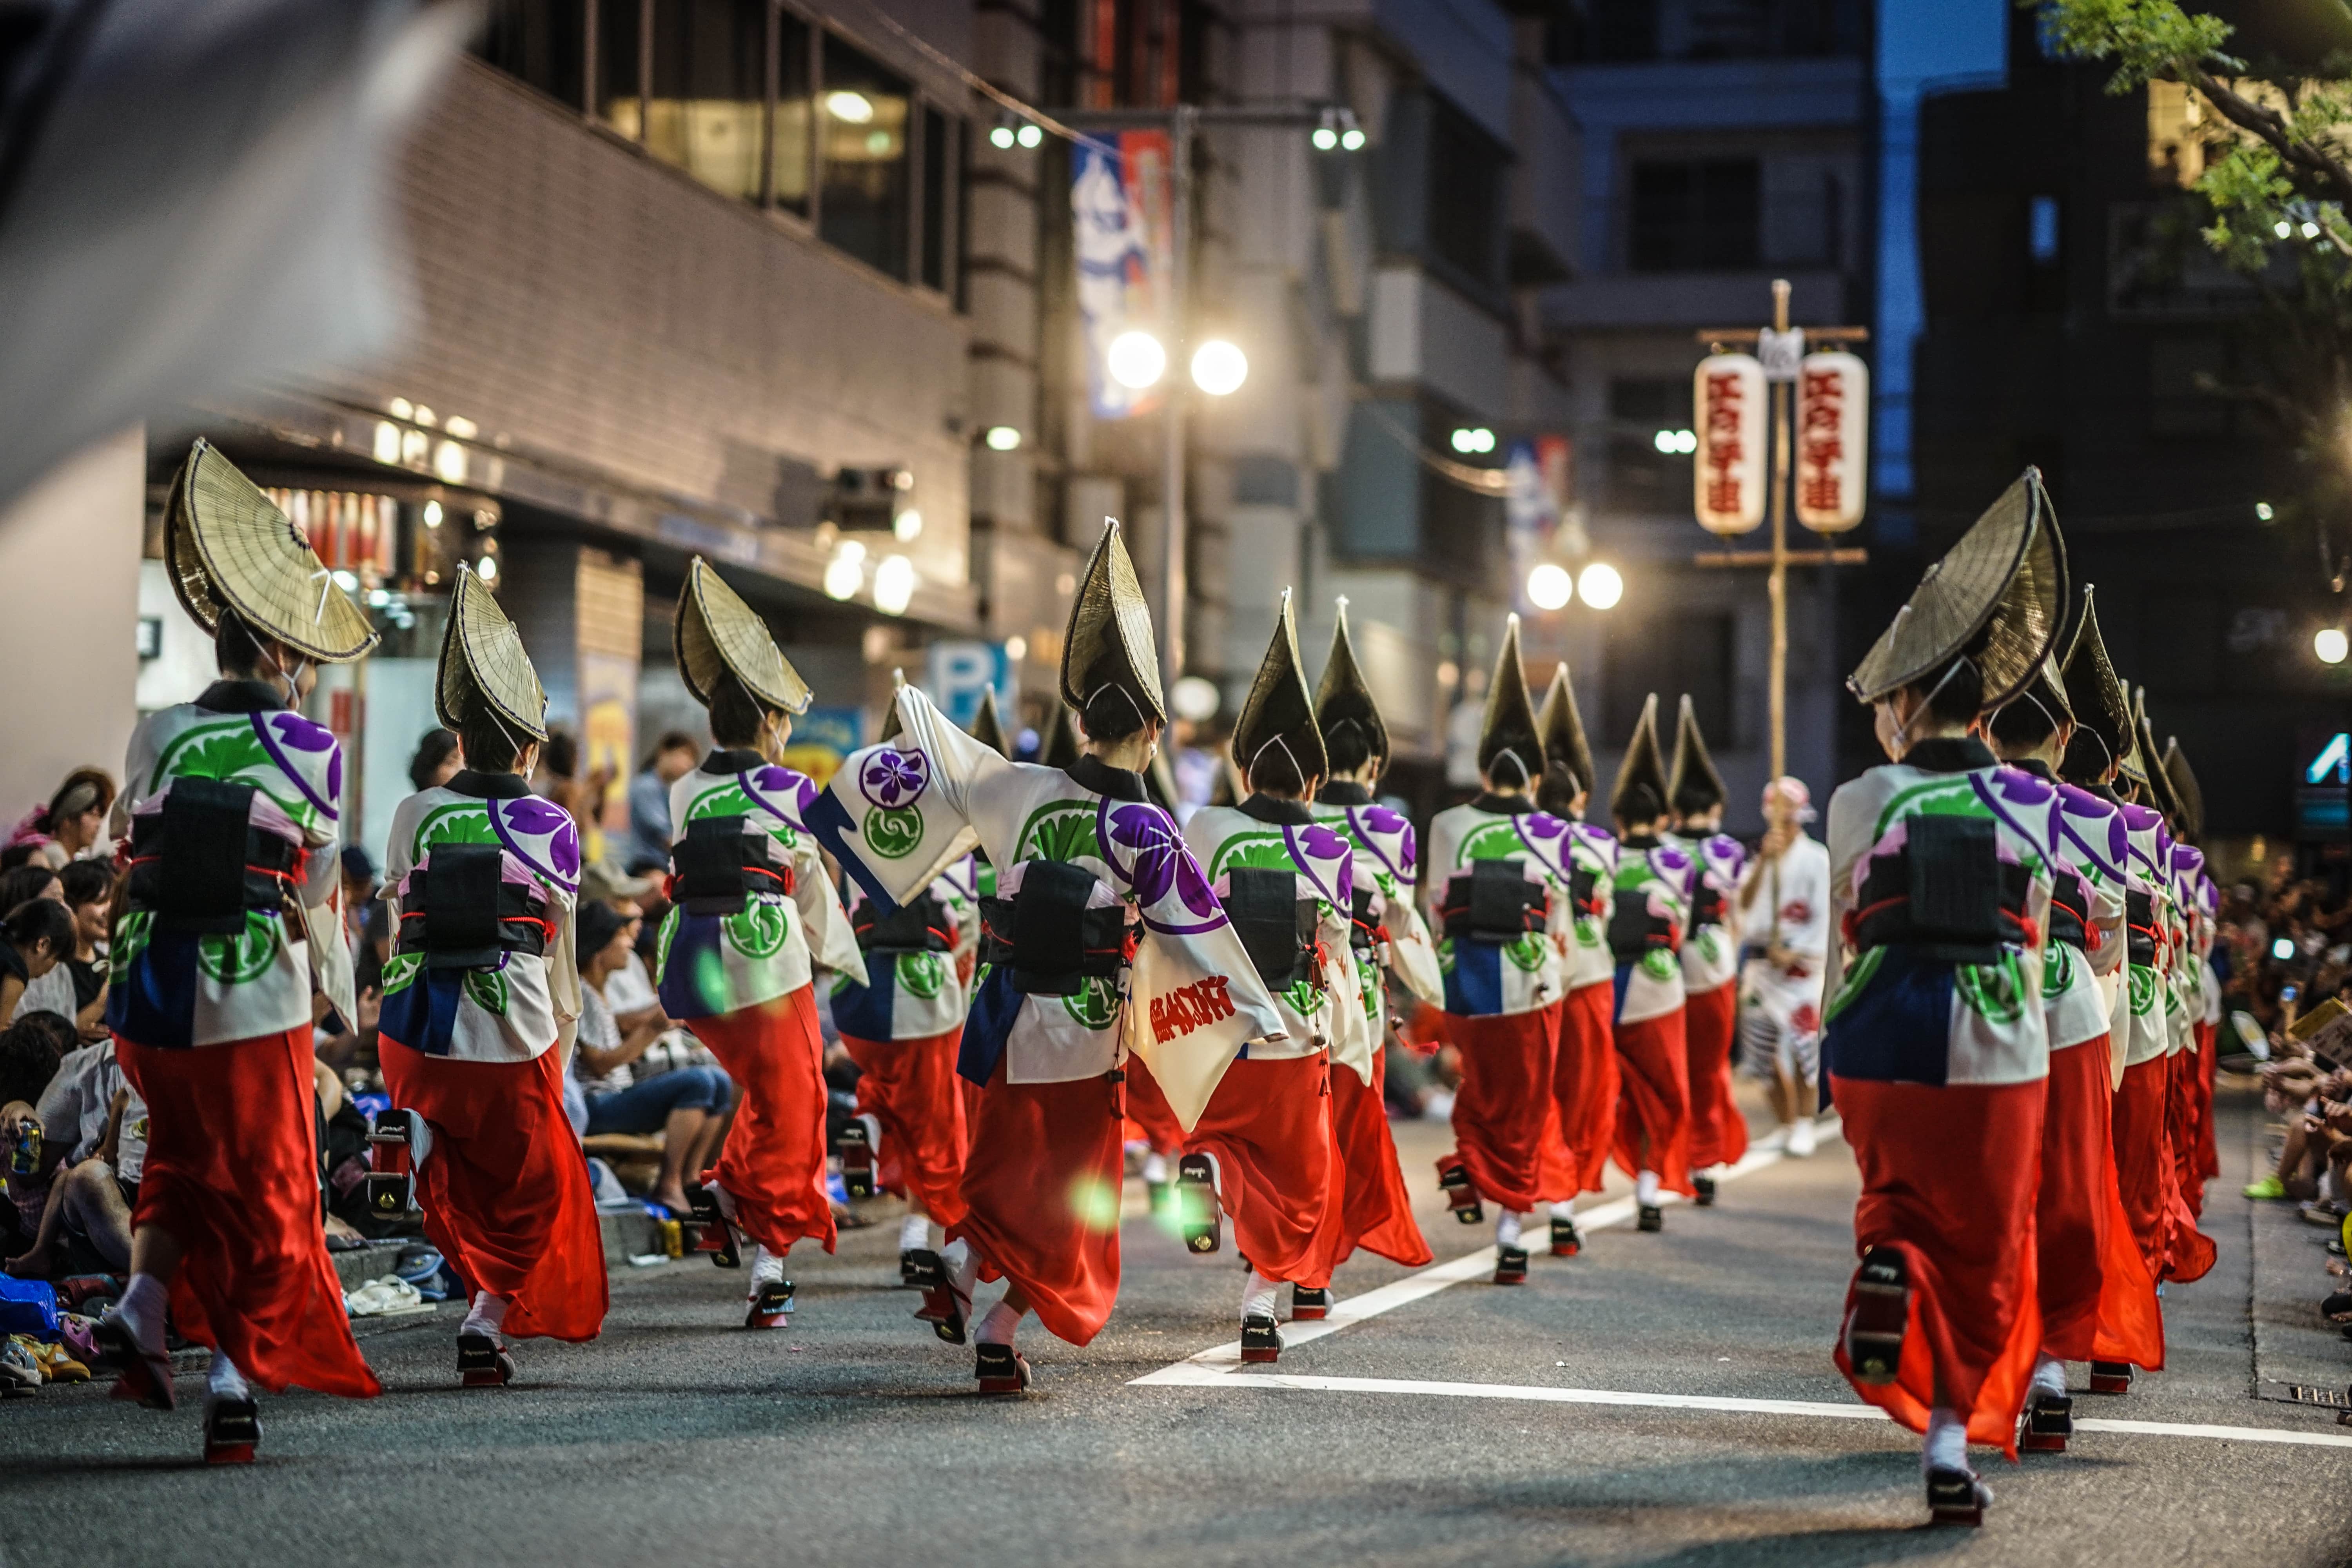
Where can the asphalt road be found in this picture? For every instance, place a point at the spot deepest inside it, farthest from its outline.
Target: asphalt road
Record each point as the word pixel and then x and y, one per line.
pixel 853 1438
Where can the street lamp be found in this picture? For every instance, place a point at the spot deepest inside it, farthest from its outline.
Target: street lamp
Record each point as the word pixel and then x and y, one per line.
pixel 1219 367
pixel 2331 645
pixel 1600 586
pixel 894 585
pixel 1002 438
pixel 1550 587
pixel 1136 360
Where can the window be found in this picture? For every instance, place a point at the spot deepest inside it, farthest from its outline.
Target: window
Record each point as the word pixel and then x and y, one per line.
pixel 792 158
pixel 937 150
pixel 865 115
pixel 709 92
pixel 2042 230
pixel 541 42
pixel 1694 216
pixel 1467 171
pixel 1670 654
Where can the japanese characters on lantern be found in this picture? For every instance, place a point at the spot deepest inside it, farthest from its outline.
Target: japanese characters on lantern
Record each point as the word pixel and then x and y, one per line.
pixel 1730 405
pixel 1833 441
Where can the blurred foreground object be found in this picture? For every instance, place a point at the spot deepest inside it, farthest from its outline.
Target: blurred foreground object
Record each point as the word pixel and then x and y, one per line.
pixel 194 195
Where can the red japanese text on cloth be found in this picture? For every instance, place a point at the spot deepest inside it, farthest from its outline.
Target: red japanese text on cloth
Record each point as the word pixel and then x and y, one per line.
pixel 1725 400
pixel 1821 441
pixel 1188 1008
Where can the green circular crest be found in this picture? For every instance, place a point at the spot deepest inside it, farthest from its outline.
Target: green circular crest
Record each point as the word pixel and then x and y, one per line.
pixel 893 834
pixel 1660 964
pixel 243 958
pixel 486 988
pixel 1304 997
pixel 1995 992
pixel 131 933
pixel 2143 989
pixel 1526 953
pixel 1095 1004
pixel 923 975
pixel 2057 969
pixel 759 931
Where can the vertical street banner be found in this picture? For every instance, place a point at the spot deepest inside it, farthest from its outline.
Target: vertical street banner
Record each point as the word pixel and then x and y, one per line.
pixel 1833 441
pixel 1728 480
pixel 1120 207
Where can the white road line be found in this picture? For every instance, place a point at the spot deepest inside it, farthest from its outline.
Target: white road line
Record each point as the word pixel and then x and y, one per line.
pixel 1224 1358
pixel 1188 1374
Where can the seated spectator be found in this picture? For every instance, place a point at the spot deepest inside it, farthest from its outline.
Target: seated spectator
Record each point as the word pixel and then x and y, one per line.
pixel 72 826
pixel 20 884
pixel 34 938
pixel 86 1223
pixel 30 1053
pixel 672 758
pixel 89 894
pixel 688 1106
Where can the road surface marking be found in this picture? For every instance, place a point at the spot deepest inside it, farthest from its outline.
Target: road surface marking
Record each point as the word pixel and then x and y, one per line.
pixel 1194 1376
pixel 1348 1311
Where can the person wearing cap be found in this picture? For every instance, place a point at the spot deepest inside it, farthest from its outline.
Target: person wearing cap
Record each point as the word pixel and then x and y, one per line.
pixel 1265 1149
pixel 753 916
pixel 1710 953
pixel 481 1008
pixel 1649 918
pixel 2097 1298
pixel 1105 944
pixel 1936 1051
pixel 228 926
pixel 1489 903
pixel 1584 1085
pixel 901 1020
pixel 1386 935
pixel 1780 986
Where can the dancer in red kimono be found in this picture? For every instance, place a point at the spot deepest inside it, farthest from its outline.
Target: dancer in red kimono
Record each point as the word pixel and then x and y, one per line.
pixel 1489 904
pixel 481 1002
pixel 1386 935
pixel 1584 1085
pixel 1936 1051
pixel 1710 954
pixel 1650 902
pixel 2097 1299
pixel 1266 1150
pixel 227 820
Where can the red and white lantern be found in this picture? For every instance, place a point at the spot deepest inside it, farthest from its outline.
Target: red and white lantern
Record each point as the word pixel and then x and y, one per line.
pixel 1833 441
pixel 1728 480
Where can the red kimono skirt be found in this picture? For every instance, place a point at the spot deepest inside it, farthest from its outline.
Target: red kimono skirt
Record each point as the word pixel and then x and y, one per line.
pixel 772 1165
pixel 910 1086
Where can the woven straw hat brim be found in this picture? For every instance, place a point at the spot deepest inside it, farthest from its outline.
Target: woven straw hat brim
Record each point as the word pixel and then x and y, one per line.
pixel 1643 765
pixel 1343 695
pixel 1996 595
pixel 988 725
pixel 483 660
pixel 1509 724
pixel 1279 709
pixel 718 634
pixel 1061 745
pixel 2183 781
pixel 1561 725
pixel 1694 770
pixel 228 547
pixel 1109 640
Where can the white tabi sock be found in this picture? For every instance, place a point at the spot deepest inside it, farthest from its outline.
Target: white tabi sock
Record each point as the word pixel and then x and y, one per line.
pixel 996 1326
pixel 1645 1189
pixel 1155 1168
pixel 144 1304
pixel 1947 1448
pixel 487 1315
pixel 766 1268
pixel 1507 1229
pixel 2050 1377
pixel 1565 1209
pixel 915 1233
pixel 962 1266
pixel 1259 1294
pixel 222 1381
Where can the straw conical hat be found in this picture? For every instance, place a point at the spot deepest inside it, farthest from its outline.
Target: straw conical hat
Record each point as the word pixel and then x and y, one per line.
pixel 988 724
pixel 1997 597
pixel 2184 790
pixel 2134 761
pixel 1561 725
pixel 1693 788
pixel 1642 769
pixel 1279 711
pixel 1109 639
pixel 1060 747
pixel 226 547
pixel 890 725
pixel 2102 707
pixel 1345 696
pixel 716 633
pixel 482 660
pixel 1509 724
